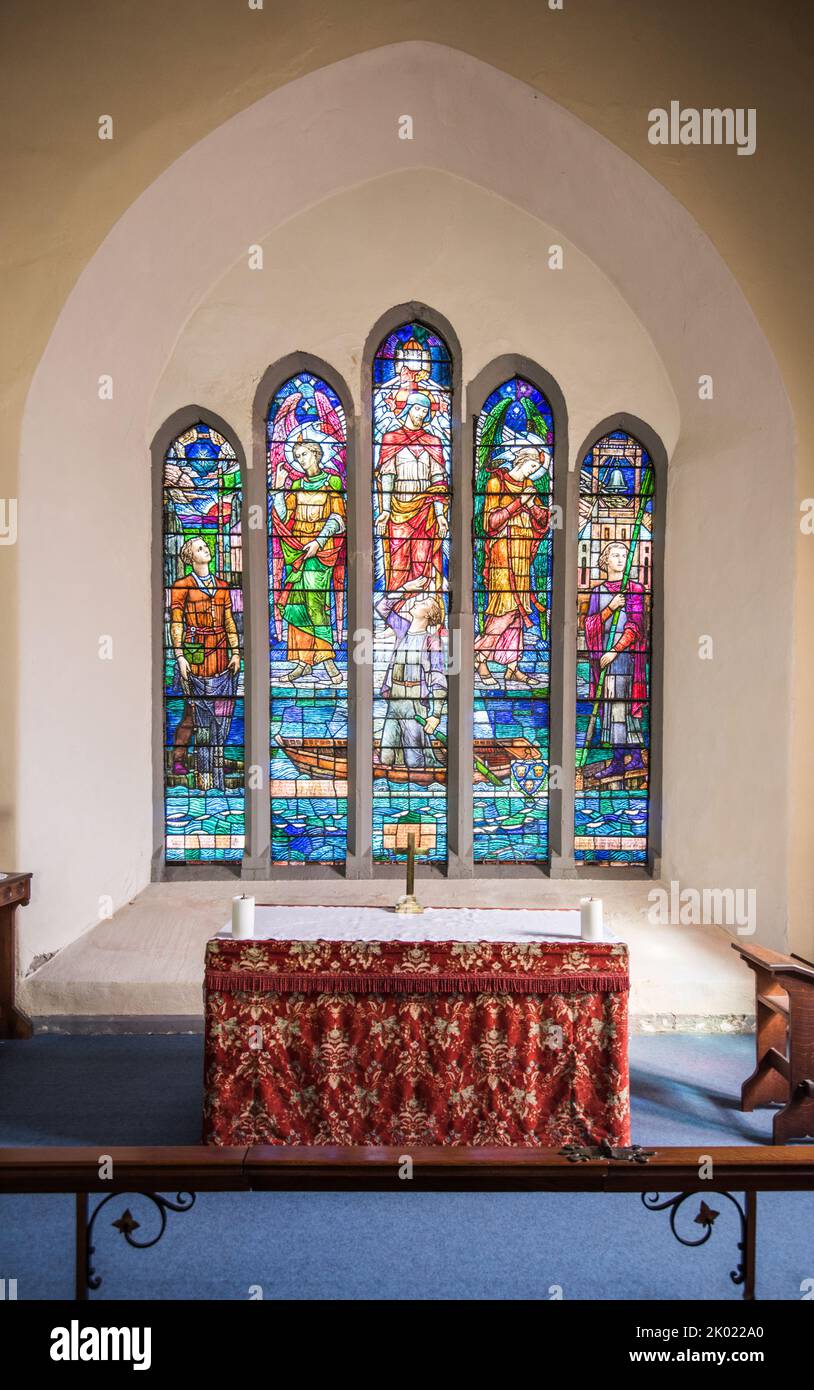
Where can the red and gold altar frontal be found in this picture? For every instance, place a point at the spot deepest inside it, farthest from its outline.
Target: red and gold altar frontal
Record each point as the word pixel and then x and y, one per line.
pixel 416 1042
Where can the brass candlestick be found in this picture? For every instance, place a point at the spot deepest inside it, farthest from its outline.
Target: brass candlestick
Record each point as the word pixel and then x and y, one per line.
pixel 408 902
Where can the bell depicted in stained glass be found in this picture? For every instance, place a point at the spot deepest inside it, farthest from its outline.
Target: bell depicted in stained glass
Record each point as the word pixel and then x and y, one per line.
pixel 514 444
pixel 308 641
pixel 203 562
pixel 613 652
pixel 411 470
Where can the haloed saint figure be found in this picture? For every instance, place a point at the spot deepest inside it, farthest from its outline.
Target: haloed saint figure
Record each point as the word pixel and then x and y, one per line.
pixel 412 456
pixel 615 636
pixel 308 523
pixel 412 519
pixel 615 579
pixel 308 663
pixel 512 552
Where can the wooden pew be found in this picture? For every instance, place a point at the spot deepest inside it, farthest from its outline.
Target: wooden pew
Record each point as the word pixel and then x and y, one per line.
pixel 15 891
pixel 784 1041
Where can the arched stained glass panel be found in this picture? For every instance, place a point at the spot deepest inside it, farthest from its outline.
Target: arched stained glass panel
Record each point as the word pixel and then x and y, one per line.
pixel 512 541
pixel 614 576
pixel 412 459
pixel 203 639
pixel 308 639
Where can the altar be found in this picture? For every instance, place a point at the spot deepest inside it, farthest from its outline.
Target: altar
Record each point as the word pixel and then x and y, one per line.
pixel 355 1025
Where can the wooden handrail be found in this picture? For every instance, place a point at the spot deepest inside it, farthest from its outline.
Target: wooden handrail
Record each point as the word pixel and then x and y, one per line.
pixel 185 1171
pixel 199 1168
pixel 773 962
pixel 271 1168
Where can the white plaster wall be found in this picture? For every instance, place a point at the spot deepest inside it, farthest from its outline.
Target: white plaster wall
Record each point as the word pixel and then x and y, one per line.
pixel 168 290
pixel 330 273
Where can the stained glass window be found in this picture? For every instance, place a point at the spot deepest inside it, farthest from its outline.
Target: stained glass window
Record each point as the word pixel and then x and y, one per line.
pixel 412 389
pixel 613 652
pixel 512 542
pixel 308 638
pixel 203 639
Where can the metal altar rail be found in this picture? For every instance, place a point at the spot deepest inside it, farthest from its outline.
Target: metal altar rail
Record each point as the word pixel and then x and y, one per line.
pixel 151 1172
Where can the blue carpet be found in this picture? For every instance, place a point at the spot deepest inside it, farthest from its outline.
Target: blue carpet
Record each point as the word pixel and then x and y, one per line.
pixel 107 1090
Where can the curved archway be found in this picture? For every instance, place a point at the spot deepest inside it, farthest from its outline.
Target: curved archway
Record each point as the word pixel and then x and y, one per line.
pixel 657 261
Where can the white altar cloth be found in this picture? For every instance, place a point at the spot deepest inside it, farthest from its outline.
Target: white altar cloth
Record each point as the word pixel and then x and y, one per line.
pixel 433 924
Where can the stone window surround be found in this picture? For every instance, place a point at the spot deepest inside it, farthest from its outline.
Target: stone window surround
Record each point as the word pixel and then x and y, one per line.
pixel 359 863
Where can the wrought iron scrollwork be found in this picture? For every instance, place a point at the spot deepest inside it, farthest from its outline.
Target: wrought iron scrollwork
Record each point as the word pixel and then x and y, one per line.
pixel 706 1218
pixel 127 1224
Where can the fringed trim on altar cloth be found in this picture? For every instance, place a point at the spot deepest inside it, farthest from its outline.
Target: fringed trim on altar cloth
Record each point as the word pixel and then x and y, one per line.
pixel 244 982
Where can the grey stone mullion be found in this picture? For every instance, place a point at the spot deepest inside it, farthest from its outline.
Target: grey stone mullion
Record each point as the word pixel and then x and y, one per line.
pixel 256 859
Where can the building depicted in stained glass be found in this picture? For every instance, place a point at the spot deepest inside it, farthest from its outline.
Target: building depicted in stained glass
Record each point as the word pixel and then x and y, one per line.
pixel 412 459
pixel 512 543
pixel 203 639
pixel 404 587
pixel 615 575
pixel 307 554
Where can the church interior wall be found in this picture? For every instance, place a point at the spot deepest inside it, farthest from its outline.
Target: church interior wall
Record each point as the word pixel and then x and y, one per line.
pixel 176 319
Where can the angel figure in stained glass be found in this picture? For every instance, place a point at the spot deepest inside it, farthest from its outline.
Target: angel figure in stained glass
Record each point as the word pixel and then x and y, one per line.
pixel 308 542
pixel 513 475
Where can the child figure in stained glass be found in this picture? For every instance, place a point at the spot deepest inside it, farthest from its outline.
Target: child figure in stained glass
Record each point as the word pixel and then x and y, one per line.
pixel 619 651
pixel 207 651
pixel 308 519
pixel 515 521
pixel 413 373
pixel 415 682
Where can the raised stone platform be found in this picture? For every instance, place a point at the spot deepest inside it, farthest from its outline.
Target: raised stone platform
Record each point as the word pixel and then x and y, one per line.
pixel 143 968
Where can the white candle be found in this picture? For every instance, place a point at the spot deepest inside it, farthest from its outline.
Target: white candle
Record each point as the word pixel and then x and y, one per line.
pixel 243 917
pixel 590 919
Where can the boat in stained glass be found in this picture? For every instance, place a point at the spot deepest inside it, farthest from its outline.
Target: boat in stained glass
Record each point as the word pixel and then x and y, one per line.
pixel 615 575
pixel 513 482
pixel 412 392
pixel 202 643
pixel 307 552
